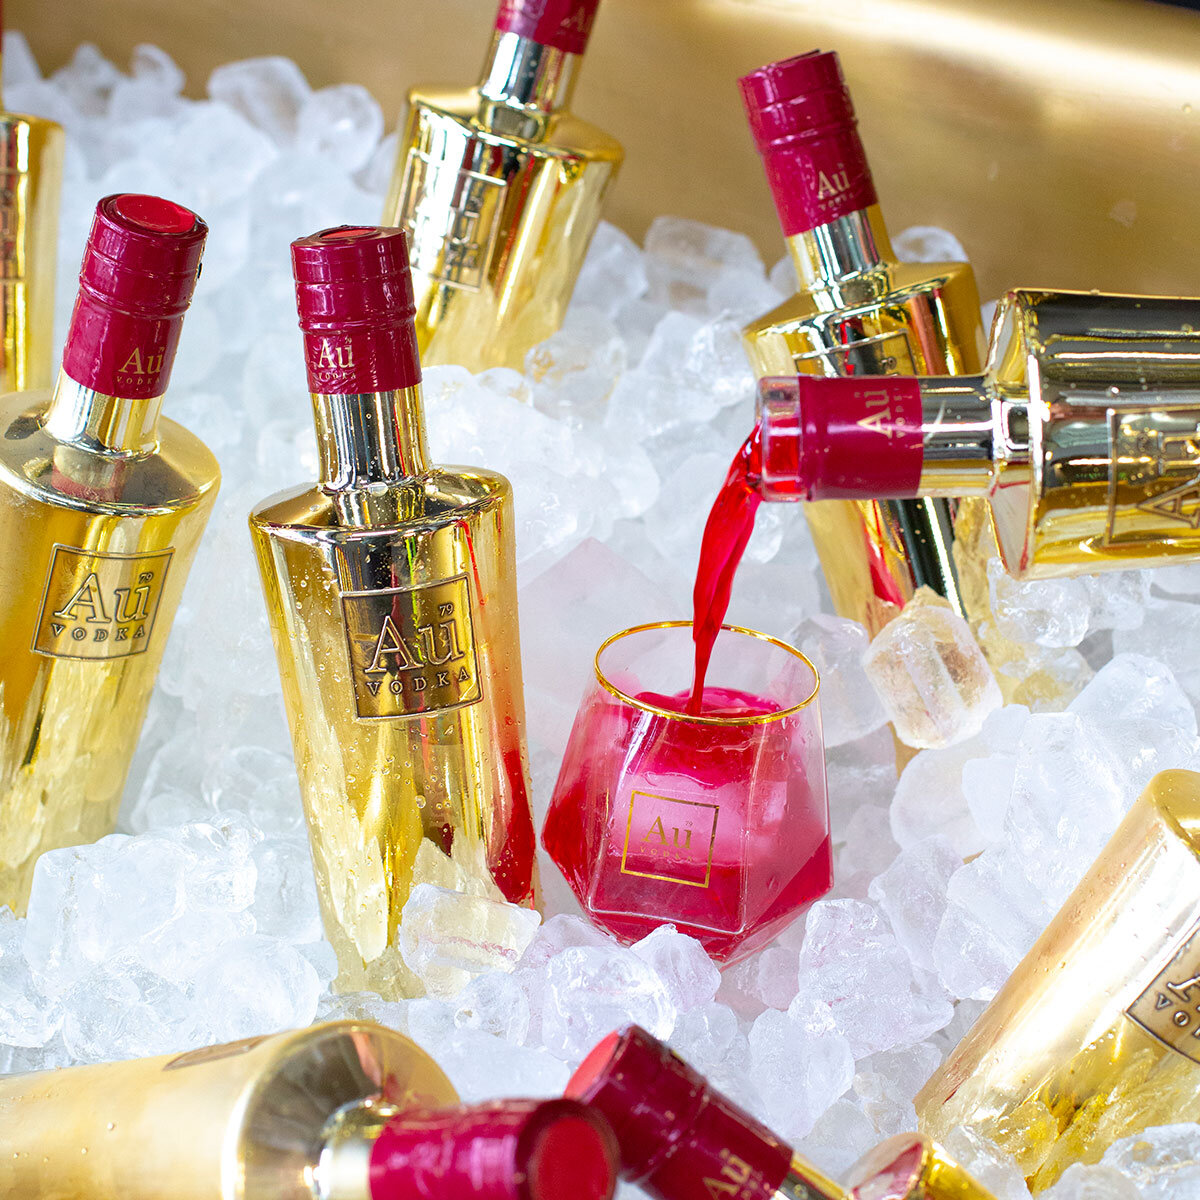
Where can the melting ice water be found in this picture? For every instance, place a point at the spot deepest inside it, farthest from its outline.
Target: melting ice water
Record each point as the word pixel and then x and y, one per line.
pixel 198 922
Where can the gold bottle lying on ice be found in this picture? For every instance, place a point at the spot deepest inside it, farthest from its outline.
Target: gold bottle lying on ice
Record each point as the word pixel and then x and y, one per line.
pixel 343 1111
pixel 31 156
pixel 102 504
pixel 1083 433
pixel 859 312
pixel 1096 1034
pixel 680 1138
pixel 499 189
pixel 391 590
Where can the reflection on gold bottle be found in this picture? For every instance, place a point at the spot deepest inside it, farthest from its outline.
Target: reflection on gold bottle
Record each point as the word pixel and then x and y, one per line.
pixel 343 1111
pixel 249 1120
pixel 31 155
pixel 391 590
pixel 859 312
pixel 499 189
pixel 1094 1036
pixel 102 504
pixel 1083 433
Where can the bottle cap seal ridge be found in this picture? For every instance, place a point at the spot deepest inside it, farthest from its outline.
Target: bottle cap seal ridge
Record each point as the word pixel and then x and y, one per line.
pixel 803 124
pixel 354 295
pixel 678 1136
pixel 136 280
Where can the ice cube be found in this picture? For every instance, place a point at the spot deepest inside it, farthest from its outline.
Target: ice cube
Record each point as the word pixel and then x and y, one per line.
pixel 481 1066
pixel 1049 612
pixel 342 124
pixel 613 274
pixel 87 81
pixel 1117 599
pixel 20 66
pixel 689 975
pixel 285 897
pixel 27 1017
pixel 592 990
pixel 896 1010
pixel 1163 1161
pixel 886 1083
pixel 1079 1182
pixel 850 706
pixel 446 938
pixel 912 895
pixel 495 1003
pixel 683 255
pixel 800 1067
pixel 841 1136
pixel 1169 633
pixel 267 92
pixel 930 799
pixel 574 370
pixel 989 1166
pixel 931 675
pixel 255 985
pixel 928 244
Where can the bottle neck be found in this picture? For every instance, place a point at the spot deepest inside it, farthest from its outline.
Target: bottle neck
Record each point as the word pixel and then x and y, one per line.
pixel 524 74
pixel 370 441
pixel 852 244
pixel 887 438
pixel 101 423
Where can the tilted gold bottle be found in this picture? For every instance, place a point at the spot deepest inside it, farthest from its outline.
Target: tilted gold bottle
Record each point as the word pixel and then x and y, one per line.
pixel 859 312
pixel 31 157
pixel 102 504
pixel 499 188
pixel 343 1111
pixel 391 589
pixel 681 1138
pixel 1096 1034
pixel 1083 433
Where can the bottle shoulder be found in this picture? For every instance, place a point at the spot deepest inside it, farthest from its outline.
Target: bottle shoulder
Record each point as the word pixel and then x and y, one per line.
pixel 179 474
pixel 443 496
pixel 561 135
pixel 889 288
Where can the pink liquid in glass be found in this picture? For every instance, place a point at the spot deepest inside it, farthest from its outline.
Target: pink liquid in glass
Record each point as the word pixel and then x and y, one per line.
pixel 715 828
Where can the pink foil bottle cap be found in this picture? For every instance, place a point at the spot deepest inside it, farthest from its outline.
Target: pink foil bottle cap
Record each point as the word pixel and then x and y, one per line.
pixel 562 24
pixel 510 1150
pixel 856 437
pixel 354 295
pixel 139 270
pixel 804 126
pixel 677 1134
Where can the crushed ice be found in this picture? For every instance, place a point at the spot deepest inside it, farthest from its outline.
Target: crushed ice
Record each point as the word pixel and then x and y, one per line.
pixel 199 922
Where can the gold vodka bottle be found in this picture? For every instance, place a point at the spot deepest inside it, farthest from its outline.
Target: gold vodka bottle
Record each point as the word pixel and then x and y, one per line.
pixel 391 590
pixel 31 156
pixel 499 189
pixel 680 1138
pixel 1083 433
pixel 343 1111
pixel 859 312
pixel 1096 1034
pixel 102 504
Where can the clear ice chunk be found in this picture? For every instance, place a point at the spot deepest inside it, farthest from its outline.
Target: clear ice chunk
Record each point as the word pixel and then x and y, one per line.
pixel 1048 612
pixel 930 674
pixel 447 938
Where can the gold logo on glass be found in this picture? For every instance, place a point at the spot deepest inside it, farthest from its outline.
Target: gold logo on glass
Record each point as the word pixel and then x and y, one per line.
pixel 669 839
pixel 451 215
pixel 98 605
pixel 412 649
pixel 1154 482
pixel 1169 1009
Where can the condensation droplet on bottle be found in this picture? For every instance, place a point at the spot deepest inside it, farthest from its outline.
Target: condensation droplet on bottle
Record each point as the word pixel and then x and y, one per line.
pixel 420 801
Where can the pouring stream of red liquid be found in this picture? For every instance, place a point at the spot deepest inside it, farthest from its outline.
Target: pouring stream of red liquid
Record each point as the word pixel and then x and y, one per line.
pixel 729 526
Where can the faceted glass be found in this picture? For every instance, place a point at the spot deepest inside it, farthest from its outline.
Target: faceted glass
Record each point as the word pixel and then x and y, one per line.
pixel 717 823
